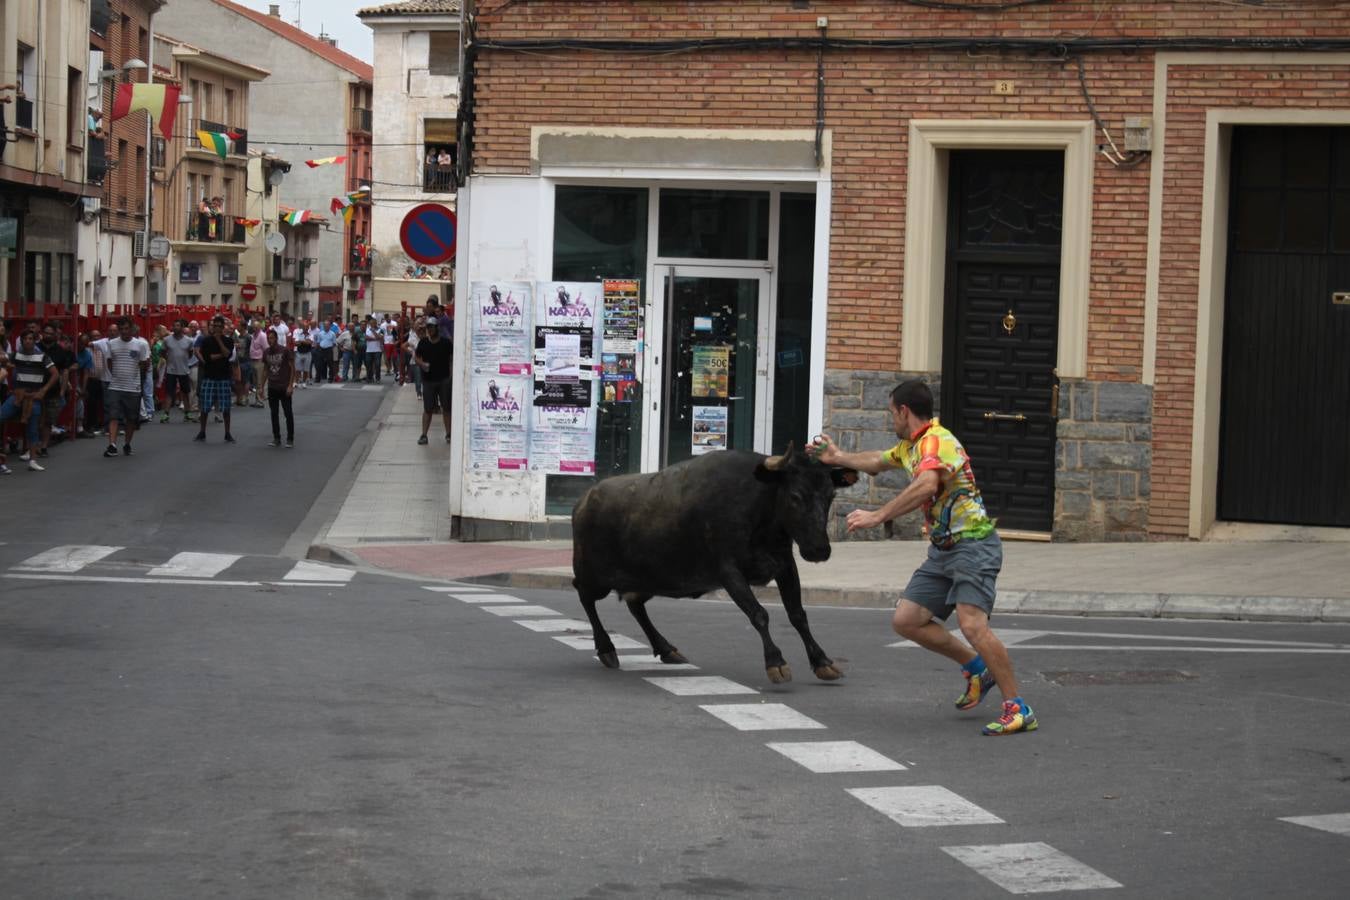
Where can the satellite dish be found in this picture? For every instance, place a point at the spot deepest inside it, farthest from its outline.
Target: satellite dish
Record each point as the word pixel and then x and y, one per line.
pixel 275 177
pixel 275 244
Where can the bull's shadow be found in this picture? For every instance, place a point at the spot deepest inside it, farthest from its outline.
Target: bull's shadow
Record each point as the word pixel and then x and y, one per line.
pixel 723 520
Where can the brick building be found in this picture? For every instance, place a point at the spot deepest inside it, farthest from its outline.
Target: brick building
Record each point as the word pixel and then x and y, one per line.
pixel 1115 238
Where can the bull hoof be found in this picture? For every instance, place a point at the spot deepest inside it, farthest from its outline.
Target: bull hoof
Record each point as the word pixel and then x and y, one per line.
pixel 673 657
pixel 610 659
pixel 779 674
pixel 828 673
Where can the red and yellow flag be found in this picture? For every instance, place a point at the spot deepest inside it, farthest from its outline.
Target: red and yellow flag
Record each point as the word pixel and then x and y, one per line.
pixel 159 100
pixel 326 161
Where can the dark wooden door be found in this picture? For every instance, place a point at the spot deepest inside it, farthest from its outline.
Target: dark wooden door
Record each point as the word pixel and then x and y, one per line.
pixel 1002 326
pixel 1284 452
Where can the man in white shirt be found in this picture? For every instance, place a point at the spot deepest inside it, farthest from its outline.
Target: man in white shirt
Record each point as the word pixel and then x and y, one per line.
pixel 374 347
pixel 128 362
pixel 282 329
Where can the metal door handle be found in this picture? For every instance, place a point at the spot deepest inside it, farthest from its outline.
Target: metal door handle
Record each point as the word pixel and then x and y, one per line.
pixel 1005 417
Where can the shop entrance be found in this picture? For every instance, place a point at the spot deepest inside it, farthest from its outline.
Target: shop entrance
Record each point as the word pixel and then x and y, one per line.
pixel 714 383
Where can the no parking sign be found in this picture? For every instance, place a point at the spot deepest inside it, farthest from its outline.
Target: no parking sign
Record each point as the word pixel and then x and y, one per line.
pixel 428 234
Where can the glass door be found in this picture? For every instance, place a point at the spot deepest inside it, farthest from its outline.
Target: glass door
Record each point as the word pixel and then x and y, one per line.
pixel 714 382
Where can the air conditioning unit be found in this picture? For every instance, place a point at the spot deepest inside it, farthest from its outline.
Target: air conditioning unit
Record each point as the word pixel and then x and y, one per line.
pixel 138 245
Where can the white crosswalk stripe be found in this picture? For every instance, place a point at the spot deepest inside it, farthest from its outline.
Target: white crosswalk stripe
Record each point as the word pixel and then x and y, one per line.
pixel 547 626
pixel 924 806
pixel 487 598
pixel 824 757
pixel 700 685
pixel 587 642
pixel 761 716
pixel 194 565
pixel 1033 868
pixel 646 663
pixel 70 558
pixel 306 570
pixel 536 612
pixel 1336 823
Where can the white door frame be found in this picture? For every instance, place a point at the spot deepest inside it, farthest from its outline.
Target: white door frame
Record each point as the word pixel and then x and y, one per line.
pixel 654 367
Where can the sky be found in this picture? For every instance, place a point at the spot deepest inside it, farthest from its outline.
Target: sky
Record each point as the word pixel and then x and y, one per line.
pixel 335 17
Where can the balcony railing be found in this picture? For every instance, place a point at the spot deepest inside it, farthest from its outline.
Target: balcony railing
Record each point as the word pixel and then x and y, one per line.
pixel 96 157
pixel 218 228
pixel 358 259
pixel 361 119
pixel 439 178
pixel 239 146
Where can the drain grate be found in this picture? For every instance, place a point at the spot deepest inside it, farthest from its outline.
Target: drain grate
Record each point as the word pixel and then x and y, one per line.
pixel 1129 676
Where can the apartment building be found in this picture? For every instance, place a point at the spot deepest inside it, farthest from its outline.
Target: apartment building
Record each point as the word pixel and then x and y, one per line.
pixel 201 199
pixel 1113 237
pixel 314 104
pixel 44 77
pixel 416 93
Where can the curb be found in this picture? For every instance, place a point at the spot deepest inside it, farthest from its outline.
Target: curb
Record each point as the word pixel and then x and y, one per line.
pixel 331 554
pixel 1053 603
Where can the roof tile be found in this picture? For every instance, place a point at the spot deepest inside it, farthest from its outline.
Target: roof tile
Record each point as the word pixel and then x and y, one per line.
pixel 411 7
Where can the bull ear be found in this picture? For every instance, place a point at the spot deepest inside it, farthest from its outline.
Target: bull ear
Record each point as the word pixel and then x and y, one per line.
pixel 843 477
pixel 776 463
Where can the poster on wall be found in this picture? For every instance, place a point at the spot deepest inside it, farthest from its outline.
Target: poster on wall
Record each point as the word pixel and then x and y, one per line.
pixel 709 429
pixel 498 402
pixel 497 449
pixel 621 338
pixel 500 306
pixel 562 440
pixel 564 365
pixel 567 303
pixel 709 371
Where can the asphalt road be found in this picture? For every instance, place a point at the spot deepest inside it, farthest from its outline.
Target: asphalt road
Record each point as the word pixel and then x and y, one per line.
pixel 277 730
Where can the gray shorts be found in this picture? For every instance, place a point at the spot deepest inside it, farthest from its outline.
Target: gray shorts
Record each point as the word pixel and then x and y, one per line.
pixel 964 574
pixel 123 406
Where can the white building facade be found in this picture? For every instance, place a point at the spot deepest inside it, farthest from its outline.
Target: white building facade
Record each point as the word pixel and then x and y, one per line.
pixel 416 98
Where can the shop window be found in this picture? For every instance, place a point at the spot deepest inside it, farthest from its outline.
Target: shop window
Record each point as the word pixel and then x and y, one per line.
pixel 600 232
pixel 796 276
pixel 712 224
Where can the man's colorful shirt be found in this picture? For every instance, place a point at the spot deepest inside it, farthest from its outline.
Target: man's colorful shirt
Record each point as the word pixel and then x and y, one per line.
pixel 956 511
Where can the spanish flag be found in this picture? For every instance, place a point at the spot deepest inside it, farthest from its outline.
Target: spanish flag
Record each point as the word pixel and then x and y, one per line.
pixel 218 142
pixel 326 161
pixel 159 100
pixel 250 224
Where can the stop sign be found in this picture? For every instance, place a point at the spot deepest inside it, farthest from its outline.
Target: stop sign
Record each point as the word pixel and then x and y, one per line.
pixel 249 291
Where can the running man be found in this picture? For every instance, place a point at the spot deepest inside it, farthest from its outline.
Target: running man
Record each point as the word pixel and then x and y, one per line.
pixel 964 556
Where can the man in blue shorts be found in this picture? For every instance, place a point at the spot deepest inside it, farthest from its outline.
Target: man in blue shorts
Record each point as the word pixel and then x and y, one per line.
pixel 964 553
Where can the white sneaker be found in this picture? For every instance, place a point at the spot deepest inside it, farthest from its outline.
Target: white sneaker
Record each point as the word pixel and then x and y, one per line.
pixel 4 470
pixel 34 467
pixel 26 456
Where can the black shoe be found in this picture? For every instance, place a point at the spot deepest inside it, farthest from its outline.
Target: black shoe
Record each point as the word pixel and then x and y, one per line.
pixel 201 437
pixel 42 452
pixel 126 449
pixel 229 438
pixel 422 440
pixel 447 438
pixel 111 451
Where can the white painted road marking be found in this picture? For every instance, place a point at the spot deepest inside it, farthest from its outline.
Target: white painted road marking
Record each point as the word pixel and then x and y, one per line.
pixel 70 558
pixel 487 598
pixel 1175 649
pixel 305 570
pixel 647 663
pixel 836 756
pixel 176 582
pixel 700 685
pixel 761 716
pixel 1034 868
pixel 194 565
pixel 538 612
pixel 551 625
pixel 1336 823
pixel 924 806
pixel 587 642
pixel 1013 636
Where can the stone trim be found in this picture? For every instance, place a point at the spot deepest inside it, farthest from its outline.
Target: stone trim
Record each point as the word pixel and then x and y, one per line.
pixel 1102 461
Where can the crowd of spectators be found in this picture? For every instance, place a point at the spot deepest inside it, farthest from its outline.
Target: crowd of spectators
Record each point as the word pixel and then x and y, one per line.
pixel 122 380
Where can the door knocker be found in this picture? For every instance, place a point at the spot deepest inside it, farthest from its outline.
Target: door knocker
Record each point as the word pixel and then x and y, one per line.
pixel 1009 322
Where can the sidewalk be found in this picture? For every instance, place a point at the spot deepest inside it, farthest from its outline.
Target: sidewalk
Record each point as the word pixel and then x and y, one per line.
pixel 395 519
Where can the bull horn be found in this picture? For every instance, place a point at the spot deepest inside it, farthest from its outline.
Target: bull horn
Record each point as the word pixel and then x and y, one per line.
pixel 774 463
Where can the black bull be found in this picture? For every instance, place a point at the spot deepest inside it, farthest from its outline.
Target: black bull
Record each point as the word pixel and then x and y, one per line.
pixel 724 520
